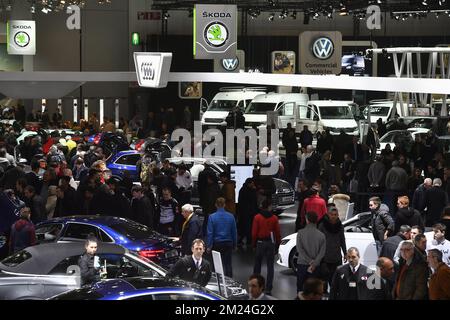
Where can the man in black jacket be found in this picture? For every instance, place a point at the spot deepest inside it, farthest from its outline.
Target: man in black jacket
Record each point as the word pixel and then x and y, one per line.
pixel 291 147
pixel 391 244
pixel 435 202
pixel 350 281
pixel 333 230
pixel 141 207
pixel 193 267
pixel 89 264
pixel 382 222
pixel 33 178
pixel 191 229
pixel 36 204
pixel 407 215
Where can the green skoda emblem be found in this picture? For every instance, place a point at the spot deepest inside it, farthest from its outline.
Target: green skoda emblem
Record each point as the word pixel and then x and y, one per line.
pixel 216 34
pixel 22 39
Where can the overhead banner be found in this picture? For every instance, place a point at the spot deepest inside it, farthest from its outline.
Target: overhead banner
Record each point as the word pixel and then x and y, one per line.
pixel 231 65
pixel 21 37
pixel 215 31
pixel 320 52
pixel 152 68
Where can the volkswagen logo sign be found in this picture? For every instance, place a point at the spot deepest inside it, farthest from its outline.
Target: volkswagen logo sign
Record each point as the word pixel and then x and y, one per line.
pixel 323 48
pixel 230 64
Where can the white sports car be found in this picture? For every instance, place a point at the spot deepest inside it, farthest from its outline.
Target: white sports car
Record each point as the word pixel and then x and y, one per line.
pixel 357 234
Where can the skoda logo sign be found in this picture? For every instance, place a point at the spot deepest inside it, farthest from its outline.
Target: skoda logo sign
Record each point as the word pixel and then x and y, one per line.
pixel 323 48
pixel 230 64
pixel 147 71
pixel 22 39
pixel 216 34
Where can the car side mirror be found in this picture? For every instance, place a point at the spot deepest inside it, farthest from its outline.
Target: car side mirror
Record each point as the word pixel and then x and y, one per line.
pixel 204 108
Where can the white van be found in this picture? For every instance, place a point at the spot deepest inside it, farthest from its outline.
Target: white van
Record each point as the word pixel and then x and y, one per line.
pixel 287 105
pixel 332 114
pixel 225 101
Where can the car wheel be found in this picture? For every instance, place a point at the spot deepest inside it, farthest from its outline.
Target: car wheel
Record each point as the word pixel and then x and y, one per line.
pixel 293 256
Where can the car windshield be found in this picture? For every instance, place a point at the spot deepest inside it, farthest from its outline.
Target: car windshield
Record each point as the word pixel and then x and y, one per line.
pixel 222 105
pixel 133 231
pixel 260 107
pixel 377 111
pixel 336 112
pixel 394 136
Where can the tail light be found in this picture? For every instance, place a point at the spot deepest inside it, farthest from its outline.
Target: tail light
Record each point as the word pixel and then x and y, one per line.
pixel 139 145
pixel 97 138
pixel 150 253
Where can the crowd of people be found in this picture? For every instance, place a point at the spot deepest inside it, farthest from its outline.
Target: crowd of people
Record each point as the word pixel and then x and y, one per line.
pixel 406 191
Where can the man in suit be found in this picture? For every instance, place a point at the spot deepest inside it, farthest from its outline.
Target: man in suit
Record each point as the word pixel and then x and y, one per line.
pixel 350 281
pixel 191 229
pixel 193 268
pixel 256 285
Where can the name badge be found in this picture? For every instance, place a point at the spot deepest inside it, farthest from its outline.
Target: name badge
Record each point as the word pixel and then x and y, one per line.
pixel 352 284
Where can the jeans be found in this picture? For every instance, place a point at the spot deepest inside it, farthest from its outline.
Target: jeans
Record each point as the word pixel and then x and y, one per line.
pixel 265 249
pixel 303 275
pixel 225 249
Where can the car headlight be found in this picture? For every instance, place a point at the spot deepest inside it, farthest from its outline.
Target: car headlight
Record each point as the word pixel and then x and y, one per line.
pixel 284 242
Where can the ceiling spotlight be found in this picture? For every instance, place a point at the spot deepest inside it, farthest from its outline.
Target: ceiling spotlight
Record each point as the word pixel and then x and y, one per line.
pixel 330 15
pixel 315 16
pixel 166 15
pixel 272 16
pixel 379 1
pixel 343 12
pixel 306 18
pixel 424 2
pixel 46 10
pixel 33 9
pixel 294 15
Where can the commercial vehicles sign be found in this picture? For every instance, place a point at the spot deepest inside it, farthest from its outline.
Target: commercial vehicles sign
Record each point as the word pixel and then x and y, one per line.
pixel 215 31
pixel 21 37
pixel 152 68
pixel 320 52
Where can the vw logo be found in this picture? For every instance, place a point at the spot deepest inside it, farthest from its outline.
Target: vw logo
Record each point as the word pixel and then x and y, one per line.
pixel 147 71
pixel 216 34
pixel 323 48
pixel 230 64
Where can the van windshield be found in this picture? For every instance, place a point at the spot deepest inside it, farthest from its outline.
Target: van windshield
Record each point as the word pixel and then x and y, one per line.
pixel 222 105
pixel 336 112
pixel 260 107
pixel 381 111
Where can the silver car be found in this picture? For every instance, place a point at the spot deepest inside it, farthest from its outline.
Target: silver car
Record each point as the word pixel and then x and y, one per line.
pixel 43 271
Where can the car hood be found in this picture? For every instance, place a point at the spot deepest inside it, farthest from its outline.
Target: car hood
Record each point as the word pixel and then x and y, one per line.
pixel 339 123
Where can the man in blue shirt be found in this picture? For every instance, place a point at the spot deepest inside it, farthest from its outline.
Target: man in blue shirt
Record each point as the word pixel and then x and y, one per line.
pixel 222 235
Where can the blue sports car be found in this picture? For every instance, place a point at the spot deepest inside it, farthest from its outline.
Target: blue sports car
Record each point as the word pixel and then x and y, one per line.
pixel 132 235
pixel 140 289
pixel 124 160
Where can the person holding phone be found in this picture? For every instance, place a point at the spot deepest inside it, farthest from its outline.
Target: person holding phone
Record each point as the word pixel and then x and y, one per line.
pixel 90 268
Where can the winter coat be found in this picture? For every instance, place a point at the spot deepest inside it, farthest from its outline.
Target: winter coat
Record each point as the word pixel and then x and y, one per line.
pixel 89 274
pixel 439 285
pixel 413 285
pixel 376 174
pixel 435 202
pixel 390 246
pixel 408 216
pixel 396 179
pixel 266 227
pixel 335 240
pixel 191 230
pixel 381 221
pixel 22 235
pixel 311 245
pixel 418 201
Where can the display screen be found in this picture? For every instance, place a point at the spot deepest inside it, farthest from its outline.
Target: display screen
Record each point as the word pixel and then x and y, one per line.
pixel 353 64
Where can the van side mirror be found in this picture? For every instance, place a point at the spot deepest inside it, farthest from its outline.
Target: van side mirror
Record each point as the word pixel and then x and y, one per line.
pixel 204 108
pixel 316 117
